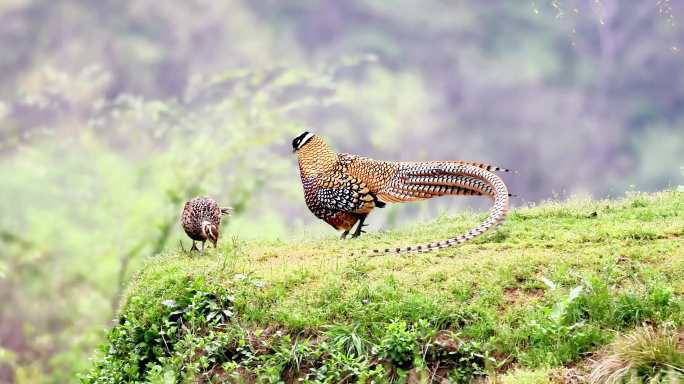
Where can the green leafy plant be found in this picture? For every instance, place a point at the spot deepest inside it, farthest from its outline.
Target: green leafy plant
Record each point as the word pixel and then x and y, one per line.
pixel 555 337
pixel 138 344
pixel 348 338
pixel 399 343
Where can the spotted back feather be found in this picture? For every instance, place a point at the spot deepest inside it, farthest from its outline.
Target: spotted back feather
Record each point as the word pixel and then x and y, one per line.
pixel 201 219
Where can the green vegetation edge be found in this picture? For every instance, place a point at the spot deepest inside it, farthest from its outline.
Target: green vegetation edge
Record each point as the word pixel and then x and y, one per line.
pixel 556 284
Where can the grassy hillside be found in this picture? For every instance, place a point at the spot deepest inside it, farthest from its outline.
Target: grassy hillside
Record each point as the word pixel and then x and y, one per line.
pixel 557 284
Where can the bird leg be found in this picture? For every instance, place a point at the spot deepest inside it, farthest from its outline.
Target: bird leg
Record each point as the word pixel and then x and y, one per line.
pixel 202 250
pixel 344 235
pixel 359 227
pixel 194 247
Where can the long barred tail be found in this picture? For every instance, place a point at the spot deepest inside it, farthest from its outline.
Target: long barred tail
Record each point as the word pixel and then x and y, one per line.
pixel 425 180
pixel 485 166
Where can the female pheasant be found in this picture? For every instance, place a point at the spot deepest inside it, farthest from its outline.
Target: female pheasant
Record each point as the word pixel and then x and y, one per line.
pixel 201 219
pixel 342 189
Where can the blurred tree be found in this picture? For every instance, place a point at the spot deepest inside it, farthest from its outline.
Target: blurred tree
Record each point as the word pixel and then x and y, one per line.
pixel 111 114
pixel 83 210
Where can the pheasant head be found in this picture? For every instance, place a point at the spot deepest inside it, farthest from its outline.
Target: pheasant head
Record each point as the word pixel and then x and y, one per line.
pixel 315 156
pixel 210 231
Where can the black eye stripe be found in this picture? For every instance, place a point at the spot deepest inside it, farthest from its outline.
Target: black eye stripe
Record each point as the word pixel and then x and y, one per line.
pixel 298 142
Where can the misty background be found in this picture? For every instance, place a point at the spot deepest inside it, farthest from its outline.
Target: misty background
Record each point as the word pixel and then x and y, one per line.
pixel 113 113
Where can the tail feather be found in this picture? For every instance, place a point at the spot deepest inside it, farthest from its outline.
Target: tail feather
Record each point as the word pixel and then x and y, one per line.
pixel 412 188
pixel 448 178
pixel 486 167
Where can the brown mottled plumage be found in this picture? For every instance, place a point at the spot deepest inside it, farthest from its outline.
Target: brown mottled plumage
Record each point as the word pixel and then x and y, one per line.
pixel 343 189
pixel 201 220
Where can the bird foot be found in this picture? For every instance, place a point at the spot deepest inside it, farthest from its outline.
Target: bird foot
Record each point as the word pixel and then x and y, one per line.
pixel 359 231
pixel 344 235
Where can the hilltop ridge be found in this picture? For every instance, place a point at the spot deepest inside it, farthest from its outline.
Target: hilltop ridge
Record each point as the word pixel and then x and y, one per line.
pixel 528 303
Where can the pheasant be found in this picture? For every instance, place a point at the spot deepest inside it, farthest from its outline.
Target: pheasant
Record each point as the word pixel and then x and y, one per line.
pixel 201 218
pixel 342 189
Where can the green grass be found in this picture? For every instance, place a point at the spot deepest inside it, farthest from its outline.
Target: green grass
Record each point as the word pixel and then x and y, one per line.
pixel 556 282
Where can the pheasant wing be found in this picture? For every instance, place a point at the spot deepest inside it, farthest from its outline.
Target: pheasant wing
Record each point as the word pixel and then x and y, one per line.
pixel 345 193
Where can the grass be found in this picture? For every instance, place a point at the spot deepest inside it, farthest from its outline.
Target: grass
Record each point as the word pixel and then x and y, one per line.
pixel 555 284
pixel 647 353
pixel 525 376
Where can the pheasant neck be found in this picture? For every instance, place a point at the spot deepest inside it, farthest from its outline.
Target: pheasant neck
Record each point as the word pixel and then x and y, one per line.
pixel 316 158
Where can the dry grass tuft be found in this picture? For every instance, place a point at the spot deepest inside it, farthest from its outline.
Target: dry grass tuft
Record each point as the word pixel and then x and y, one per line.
pixel 647 355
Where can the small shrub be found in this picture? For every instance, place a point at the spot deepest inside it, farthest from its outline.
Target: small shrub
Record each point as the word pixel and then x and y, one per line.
pixel 399 344
pixel 471 360
pixel 137 346
pixel 335 365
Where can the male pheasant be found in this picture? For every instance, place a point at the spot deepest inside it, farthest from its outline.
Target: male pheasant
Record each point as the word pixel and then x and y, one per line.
pixel 201 219
pixel 342 189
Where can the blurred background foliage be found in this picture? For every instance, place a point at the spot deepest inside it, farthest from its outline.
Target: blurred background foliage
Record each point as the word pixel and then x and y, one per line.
pixel 114 112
